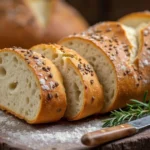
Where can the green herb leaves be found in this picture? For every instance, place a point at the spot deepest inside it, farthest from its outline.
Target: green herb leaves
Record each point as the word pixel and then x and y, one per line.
pixel 133 111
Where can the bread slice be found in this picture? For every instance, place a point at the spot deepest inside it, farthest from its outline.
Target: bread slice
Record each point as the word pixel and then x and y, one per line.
pixel 135 19
pixel 31 86
pixel 84 93
pixel 110 48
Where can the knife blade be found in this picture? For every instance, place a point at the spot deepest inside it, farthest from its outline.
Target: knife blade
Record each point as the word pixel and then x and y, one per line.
pixel 114 133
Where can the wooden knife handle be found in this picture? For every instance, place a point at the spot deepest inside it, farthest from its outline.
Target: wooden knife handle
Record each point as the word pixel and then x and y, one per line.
pixel 108 134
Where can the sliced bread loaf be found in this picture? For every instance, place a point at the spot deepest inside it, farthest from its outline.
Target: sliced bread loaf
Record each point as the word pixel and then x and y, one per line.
pixel 31 86
pixel 111 48
pixel 84 93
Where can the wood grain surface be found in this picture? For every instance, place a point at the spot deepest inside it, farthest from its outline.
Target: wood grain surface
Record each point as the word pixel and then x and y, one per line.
pixel 17 135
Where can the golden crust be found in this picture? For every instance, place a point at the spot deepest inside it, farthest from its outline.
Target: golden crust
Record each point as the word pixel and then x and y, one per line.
pixel 51 109
pixel 110 38
pixel 93 93
pixel 19 26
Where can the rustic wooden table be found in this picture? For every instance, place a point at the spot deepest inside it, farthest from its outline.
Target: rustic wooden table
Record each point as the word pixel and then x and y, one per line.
pixel 16 134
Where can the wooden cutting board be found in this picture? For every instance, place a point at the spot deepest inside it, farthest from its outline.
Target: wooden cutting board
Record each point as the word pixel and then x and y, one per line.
pixel 62 135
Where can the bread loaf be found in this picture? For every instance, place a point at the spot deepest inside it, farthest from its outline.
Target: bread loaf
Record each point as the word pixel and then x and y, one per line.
pixel 31 86
pixel 84 93
pixel 135 19
pixel 120 60
pixel 37 21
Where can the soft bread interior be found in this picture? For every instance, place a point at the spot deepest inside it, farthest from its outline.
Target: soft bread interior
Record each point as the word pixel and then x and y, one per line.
pixel 72 81
pixel 101 64
pixel 132 37
pixel 41 10
pixel 19 90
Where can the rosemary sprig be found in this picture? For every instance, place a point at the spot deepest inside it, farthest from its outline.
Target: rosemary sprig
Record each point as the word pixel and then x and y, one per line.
pixel 133 111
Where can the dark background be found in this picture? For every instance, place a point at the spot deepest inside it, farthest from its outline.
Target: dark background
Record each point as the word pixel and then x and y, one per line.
pixel 101 10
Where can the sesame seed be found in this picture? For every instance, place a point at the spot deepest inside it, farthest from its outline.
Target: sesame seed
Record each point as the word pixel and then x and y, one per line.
pixel 52 84
pixel 126 50
pixel 50 75
pixel 92 99
pixel 146 32
pixel 145 44
pixel 92 74
pixel 38 62
pixel 45 69
pixel 35 57
pixel 101 38
pixel 124 74
pixel 56 95
pixel 127 71
pixel 61 48
pixel 28 52
pixel 42 81
pixel 140 77
pixel 48 68
pixel 56 84
pixel 43 56
pixel 146 62
pixel 45 87
pixel 123 67
pixel 49 96
pixel 91 81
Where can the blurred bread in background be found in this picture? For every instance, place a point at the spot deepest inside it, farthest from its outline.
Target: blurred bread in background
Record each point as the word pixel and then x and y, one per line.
pixel 28 22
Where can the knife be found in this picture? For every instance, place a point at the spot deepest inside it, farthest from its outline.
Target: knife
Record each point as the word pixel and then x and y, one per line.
pixel 117 132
